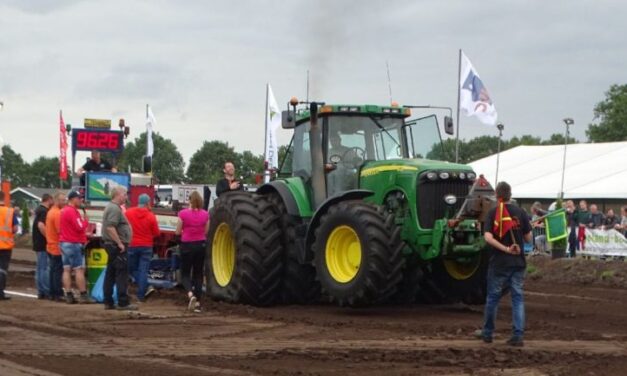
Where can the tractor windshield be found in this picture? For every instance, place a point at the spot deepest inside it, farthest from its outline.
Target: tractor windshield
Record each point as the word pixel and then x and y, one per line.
pixel 423 136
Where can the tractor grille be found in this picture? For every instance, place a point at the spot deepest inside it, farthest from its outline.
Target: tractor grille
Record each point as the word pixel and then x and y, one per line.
pixel 431 205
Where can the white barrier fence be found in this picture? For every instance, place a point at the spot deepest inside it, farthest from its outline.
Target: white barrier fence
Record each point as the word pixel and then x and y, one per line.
pixel 604 243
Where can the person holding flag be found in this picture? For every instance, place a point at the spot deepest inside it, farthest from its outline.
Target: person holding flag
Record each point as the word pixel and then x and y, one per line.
pixel 507 228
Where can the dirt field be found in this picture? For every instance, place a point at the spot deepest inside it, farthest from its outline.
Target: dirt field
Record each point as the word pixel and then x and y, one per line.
pixel 576 325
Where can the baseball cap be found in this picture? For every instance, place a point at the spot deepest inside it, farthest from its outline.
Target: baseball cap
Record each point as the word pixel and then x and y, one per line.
pixel 73 194
pixel 143 200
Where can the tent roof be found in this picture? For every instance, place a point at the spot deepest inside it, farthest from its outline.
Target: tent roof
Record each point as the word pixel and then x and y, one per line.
pixel 592 170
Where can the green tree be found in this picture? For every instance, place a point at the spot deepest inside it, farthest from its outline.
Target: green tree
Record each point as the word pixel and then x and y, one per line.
pixel 248 165
pixel 13 167
pixel 207 163
pixel 25 219
pixel 558 139
pixel 168 165
pixel 612 116
pixel 44 173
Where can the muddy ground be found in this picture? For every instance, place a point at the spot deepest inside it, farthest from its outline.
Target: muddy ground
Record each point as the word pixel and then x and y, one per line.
pixel 576 325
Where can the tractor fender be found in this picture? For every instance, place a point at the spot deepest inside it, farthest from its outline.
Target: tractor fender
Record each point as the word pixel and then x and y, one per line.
pixel 282 190
pixel 355 194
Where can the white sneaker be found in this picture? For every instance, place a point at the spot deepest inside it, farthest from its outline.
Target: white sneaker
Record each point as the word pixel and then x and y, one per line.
pixel 192 303
pixel 197 308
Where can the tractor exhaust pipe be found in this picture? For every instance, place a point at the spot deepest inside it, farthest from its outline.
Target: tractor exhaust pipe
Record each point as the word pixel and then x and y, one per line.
pixel 318 182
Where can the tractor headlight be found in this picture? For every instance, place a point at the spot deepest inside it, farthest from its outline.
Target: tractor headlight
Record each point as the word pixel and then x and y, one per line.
pixel 471 176
pixel 432 175
pixel 444 175
pixel 462 175
pixel 450 199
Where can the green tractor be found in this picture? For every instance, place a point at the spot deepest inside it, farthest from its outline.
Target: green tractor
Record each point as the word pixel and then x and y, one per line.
pixel 357 216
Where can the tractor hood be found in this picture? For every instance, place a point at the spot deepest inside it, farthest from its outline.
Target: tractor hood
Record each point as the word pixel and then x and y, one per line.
pixel 412 166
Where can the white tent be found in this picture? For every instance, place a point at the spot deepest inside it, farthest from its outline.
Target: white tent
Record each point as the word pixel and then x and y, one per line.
pixel 593 171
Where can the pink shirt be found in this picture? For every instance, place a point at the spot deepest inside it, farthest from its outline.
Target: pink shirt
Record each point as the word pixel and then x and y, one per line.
pixel 194 222
pixel 73 226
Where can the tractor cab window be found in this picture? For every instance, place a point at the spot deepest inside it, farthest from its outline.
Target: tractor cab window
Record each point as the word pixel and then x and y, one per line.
pixel 423 136
pixel 301 156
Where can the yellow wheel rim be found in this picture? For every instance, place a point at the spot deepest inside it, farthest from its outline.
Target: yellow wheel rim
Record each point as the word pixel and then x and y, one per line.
pixel 223 254
pixel 462 270
pixel 343 254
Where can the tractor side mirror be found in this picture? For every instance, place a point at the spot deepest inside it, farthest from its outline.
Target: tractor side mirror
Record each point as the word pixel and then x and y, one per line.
pixel 288 120
pixel 449 127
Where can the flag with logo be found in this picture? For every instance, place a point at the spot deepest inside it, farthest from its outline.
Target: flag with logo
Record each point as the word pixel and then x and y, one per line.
pixel 474 99
pixel 62 148
pixel 502 220
pixel 150 123
pixel 273 121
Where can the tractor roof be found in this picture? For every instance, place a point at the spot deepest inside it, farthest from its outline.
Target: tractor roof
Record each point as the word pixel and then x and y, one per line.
pixel 354 109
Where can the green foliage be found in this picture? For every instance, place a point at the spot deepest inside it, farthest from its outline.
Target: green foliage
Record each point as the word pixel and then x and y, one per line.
pixel 612 116
pixel 25 219
pixel 248 165
pixel 607 274
pixel 44 173
pixel 207 163
pixel 531 269
pixel 13 167
pixel 167 164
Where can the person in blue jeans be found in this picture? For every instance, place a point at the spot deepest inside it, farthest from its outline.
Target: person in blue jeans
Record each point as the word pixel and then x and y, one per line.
pixel 507 228
pixel 42 277
pixel 145 228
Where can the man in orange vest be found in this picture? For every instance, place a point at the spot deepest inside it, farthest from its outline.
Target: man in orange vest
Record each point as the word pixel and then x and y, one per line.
pixel 8 227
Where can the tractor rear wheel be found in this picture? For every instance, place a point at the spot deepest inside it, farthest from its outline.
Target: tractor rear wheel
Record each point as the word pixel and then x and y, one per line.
pixel 299 284
pixel 244 254
pixel 358 254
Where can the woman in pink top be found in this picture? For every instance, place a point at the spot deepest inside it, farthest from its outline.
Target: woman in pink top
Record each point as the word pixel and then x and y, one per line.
pixel 193 225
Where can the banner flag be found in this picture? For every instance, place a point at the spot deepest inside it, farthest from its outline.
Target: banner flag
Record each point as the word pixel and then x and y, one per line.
pixel 502 221
pixel 273 121
pixel 150 123
pixel 62 148
pixel 474 97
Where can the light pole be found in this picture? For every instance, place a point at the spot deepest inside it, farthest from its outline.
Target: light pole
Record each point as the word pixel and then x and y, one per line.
pixel 500 127
pixel 568 122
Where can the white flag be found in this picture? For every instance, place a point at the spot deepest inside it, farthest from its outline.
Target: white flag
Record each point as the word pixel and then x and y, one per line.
pixel 273 121
pixel 474 98
pixel 150 123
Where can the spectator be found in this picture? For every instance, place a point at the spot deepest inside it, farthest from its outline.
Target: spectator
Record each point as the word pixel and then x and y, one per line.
pixel 144 228
pixel 622 227
pixel 595 219
pixel 192 226
pixel 229 182
pixel 506 268
pixel 610 221
pixel 571 218
pixel 539 233
pixel 72 239
pixel 42 276
pixel 95 163
pixel 582 216
pixel 116 235
pixel 55 260
pixel 8 228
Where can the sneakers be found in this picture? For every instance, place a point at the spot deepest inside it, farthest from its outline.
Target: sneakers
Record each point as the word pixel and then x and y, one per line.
pixel 85 299
pixel 479 335
pixel 69 298
pixel 516 342
pixel 128 307
pixel 149 292
pixel 192 303
pixel 197 308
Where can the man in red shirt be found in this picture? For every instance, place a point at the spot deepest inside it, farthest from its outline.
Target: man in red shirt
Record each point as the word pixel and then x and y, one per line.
pixel 72 241
pixel 145 228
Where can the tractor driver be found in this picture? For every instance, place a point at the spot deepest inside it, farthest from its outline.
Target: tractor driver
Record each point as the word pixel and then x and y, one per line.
pixel 95 163
pixel 343 176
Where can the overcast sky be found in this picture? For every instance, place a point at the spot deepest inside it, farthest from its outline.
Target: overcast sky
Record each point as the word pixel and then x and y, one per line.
pixel 203 65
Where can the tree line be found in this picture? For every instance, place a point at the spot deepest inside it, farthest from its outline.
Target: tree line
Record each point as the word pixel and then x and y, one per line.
pixel 205 165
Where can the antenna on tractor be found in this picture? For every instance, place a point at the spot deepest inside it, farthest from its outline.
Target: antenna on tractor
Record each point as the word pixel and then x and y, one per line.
pixel 387 65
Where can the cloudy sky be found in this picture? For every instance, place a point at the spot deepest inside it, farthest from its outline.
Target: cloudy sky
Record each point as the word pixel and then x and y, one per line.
pixel 203 65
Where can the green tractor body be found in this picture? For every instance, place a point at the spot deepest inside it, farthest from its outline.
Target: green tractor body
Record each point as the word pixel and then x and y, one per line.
pixel 358 215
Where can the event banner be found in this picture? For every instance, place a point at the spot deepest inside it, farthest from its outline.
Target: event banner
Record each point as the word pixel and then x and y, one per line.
pixel 604 243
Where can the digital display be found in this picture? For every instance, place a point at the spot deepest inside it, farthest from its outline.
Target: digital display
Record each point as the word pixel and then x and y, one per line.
pixel 95 139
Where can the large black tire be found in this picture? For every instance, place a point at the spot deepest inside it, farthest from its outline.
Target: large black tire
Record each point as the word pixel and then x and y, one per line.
pixel 245 227
pixel 373 235
pixel 299 284
pixel 449 282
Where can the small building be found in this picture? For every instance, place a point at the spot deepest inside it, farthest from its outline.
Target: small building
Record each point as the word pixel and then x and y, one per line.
pixel 30 196
pixel 594 172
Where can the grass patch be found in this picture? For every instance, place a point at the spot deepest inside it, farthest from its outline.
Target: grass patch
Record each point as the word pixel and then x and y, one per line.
pixel 607 274
pixel 531 269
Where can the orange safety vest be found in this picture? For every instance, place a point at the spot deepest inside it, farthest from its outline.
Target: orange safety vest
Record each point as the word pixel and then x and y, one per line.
pixel 6 228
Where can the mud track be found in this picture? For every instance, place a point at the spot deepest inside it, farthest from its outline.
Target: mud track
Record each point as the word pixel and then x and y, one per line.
pixel 572 329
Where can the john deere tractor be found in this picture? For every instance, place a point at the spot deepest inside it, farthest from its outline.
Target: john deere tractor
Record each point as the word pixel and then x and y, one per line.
pixel 358 216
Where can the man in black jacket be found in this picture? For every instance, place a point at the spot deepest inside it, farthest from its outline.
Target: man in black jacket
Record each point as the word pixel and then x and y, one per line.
pixel 229 182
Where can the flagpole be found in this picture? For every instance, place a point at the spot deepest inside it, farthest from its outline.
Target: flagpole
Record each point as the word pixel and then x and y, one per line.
pixel 500 127
pixel 266 172
pixel 147 129
pixel 459 78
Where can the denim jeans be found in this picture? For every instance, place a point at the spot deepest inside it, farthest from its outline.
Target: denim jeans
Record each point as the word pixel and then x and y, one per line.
pixel 117 274
pixel 499 279
pixel 55 271
pixel 138 263
pixel 42 278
